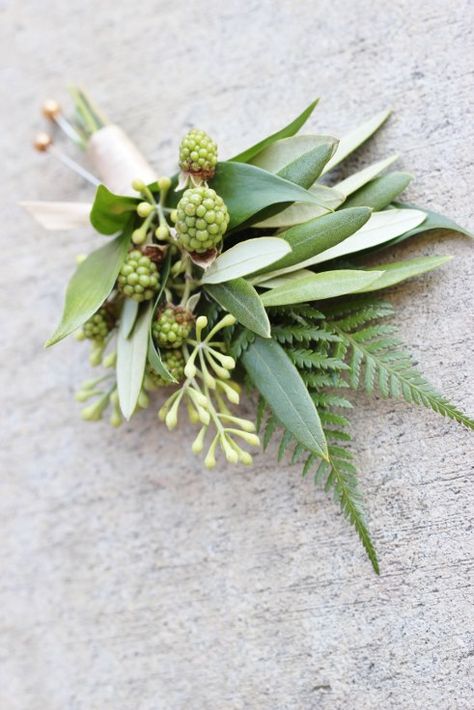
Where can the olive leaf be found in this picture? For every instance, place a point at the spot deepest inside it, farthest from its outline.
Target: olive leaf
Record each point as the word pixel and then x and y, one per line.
pixel 397 271
pixel 380 192
pixel 285 132
pixel 300 155
pixel 131 357
pixel 280 384
pixel 359 179
pixel 355 138
pixel 433 221
pixel 110 213
pixel 328 200
pixel 241 299
pixel 315 287
pixel 90 285
pixel 245 258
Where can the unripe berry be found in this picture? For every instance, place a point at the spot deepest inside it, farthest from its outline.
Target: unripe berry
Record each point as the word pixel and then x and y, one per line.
pixel 98 325
pixel 202 219
pixel 138 278
pixel 198 154
pixel 144 209
pixel 173 360
pixel 172 326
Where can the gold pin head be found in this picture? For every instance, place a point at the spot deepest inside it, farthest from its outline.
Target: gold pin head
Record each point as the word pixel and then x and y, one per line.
pixel 51 109
pixel 42 142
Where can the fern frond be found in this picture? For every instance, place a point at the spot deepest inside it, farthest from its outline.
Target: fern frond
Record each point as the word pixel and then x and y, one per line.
pixel 288 334
pixel 376 354
pixel 303 358
pixel 240 341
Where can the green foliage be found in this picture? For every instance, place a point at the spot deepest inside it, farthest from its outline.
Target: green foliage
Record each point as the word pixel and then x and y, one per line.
pixel 110 213
pixel 380 192
pixel 241 299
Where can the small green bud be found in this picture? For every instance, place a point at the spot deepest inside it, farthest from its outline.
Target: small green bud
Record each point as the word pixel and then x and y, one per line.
pixel 143 400
pixel 198 443
pixel 174 216
pixel 138 236
pixel 110 360
pixel 80 258
pixel 164 183
pixel 116 419
pixel 162 233
pixel 138 185
pixel 144 209
pixel 79 335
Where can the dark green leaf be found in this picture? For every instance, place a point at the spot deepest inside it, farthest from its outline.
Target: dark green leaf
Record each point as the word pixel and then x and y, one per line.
pixel 241 299
pixel 110 213
pixel 279 382
pixel 432 221
pixel 92 282
pixel 306 169
pixel 380 192
pixel 246 190
pixel 317 235
pixel 285 132
pixel 154 355
pixel 395 272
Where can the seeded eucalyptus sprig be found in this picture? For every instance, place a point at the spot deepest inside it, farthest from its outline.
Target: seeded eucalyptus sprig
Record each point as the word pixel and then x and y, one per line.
pixel 249 270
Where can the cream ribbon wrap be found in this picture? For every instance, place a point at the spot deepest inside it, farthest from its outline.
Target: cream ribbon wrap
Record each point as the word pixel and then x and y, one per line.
pixel 117 161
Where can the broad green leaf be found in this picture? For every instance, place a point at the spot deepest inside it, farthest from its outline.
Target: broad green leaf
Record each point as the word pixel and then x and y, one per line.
pixel 59 215
pixel 245 258
pixel 359 179
pixel 316 236
pixel 328 200
pixel 279 155
pixel 328 284
pixel 110 213
pixel 154 355
pixel 247 189
pixel 241 299
pixel 355 138
pixel 380 192
pixel 280 384
pixel 131 359
pixel 128 316
pixel 90 285
pixel 380 228
pixel 433 221
pixel 285 132
pixel 395 272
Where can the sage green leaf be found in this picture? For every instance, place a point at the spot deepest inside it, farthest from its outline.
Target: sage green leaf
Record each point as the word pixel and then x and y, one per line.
pixel 154 355
pixel 433 221
pixel 90 285
pixel 110 213
pixel 131 359
pixel 395 272
pixel 317 235
pixel 359 179
pixel 247 189
pixel 316 287
pixel 276 281
pixel 301 155
pixel 285 132
pixel 380 228
pixel 280 384
pixel 355 138
pixel 380 192
pixel 245 258
pixel 128 316
pixel 328 200
pixel 241 299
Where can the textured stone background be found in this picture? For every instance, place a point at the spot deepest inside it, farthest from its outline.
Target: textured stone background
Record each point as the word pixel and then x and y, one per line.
pixel 131 578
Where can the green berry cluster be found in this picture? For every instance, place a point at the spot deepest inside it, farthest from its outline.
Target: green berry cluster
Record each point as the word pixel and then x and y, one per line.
pixel 138 278
pixel 172 327
pixel 198 154
pixel 98 325
pixel 173 360
pixel 202 219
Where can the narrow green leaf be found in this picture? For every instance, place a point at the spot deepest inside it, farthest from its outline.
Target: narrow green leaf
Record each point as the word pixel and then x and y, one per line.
pixel 276 281
pixel 317 235
pixel 328 284
pixel 433 221
pixel 300 159
pixel 359 179
pixel 380 228
pixel 306 169
pixel 328 200
pixel 285 132
pixel 131 359
pixel 241 299
pixel 380 192
pixel 355 138
pixel 128 317
pixel 245 258
pixel 110 213
pixel 247 189
pixel 279 382
pixel 90 285
pixel 395 272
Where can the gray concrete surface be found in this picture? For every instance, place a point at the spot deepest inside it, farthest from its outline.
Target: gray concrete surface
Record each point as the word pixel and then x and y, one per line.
pixel 132 579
